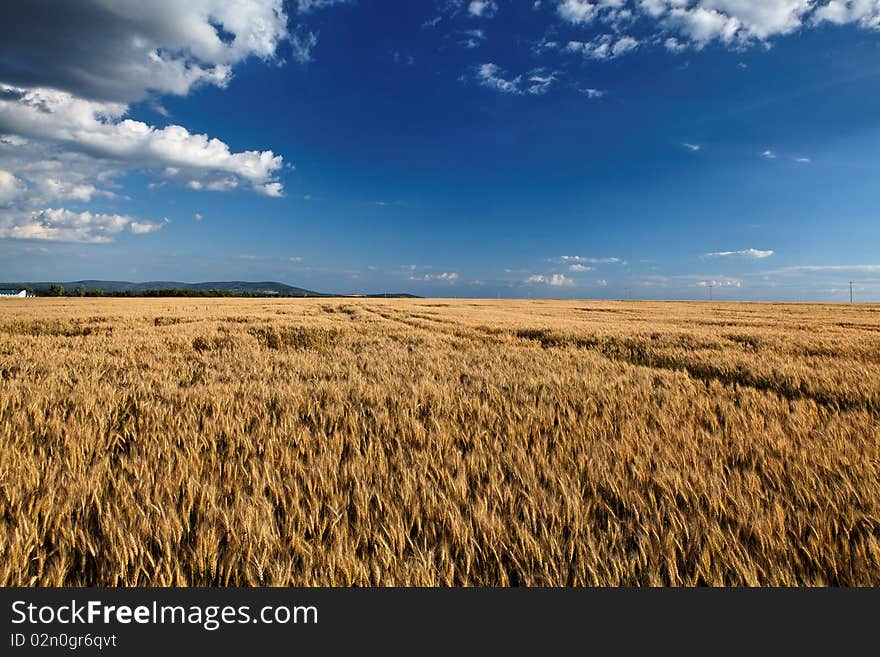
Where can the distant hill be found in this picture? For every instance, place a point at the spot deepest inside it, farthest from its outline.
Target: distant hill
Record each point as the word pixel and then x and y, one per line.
pixel 261 289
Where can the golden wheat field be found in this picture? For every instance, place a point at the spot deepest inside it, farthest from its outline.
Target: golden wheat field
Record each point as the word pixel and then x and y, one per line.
pixel 438 442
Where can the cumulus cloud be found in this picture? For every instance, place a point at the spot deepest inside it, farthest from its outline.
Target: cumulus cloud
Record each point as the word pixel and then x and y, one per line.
pixel 577 11
pixel 623 45
pixel 593 94
pixel 273 189
pixel 123 50
pixel 46 174
pixel 52 189
pixel 99 130
pixel 10 188
pixel 482 8
pixel 580 268
pixel 598 29
pixel 683 24
pixel 63 225
pixel 752 254
pixel 70 71
pixel 145 227
pixel 674 45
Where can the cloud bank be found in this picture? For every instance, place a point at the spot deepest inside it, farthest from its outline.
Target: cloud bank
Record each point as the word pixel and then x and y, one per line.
pixel 69 73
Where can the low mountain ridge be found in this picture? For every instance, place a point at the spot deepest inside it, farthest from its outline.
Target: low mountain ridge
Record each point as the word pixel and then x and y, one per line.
pixel 256 289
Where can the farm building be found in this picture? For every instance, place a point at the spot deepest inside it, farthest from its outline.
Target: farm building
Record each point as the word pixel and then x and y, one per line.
pixel 13 293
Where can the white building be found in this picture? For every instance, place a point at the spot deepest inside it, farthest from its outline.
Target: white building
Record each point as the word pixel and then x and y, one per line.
pixel 21 294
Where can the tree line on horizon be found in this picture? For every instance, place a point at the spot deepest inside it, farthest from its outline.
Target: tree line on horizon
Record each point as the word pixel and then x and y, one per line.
pixel 58 290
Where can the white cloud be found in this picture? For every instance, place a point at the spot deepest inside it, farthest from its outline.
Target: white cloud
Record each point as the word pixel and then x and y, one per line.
pixel 680 24
pixel 692 147
pixel 601 282
pixel 578 267
pixel 768 154
pixel 62 225
pixel 482 8
pixel 577 11
pixel 864 12
pixel 306 6
pixel 123 50
pixel 198 216
pixel 301 44
pixel 701 25
pixel 490 75
pixel 604 46
pixel 448 277
pixel 99 129
pixel 674 45
pixel 10 188
pixel 802 160
pixel 593 94
pixel 273 189
pixel 145 227
pixel 763 18
pixel 50 190
pixel 624 45
pixel 539 82
pixel 752 254
pixel 555 280
pixel 67 78
pixel 47 174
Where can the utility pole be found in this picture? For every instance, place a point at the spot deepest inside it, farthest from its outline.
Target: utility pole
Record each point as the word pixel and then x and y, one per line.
pixel 710 290
pixel 850 292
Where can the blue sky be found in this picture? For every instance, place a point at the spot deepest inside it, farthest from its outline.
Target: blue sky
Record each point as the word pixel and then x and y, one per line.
pixel 566 148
